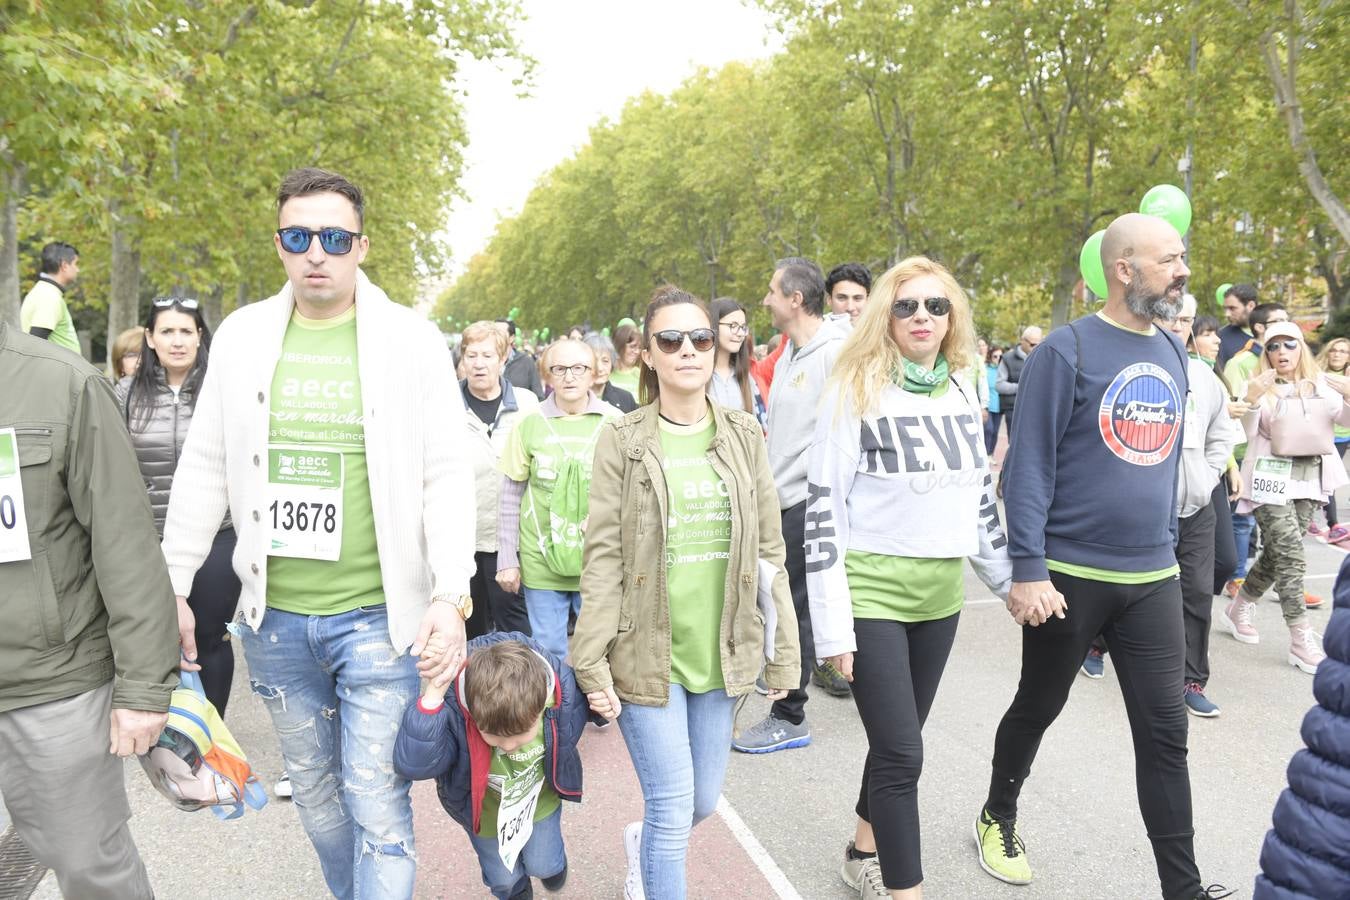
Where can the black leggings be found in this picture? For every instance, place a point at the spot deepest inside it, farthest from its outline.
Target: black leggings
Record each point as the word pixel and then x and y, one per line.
pixel 792 708
pixel 214 597
pixel 1142 625
pixel 895 677
pixel 493 608
pixel 1225 545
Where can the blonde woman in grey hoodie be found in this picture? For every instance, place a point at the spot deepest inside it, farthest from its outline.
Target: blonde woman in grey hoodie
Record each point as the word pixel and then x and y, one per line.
pixel 899 495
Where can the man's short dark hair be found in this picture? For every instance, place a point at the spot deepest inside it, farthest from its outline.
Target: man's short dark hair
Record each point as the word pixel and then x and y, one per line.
pixel 1260 314
pixel 1246 293
pixel 310 180
pixel 510 326
pixel 55 255
pixel 850 271
pixel 801 275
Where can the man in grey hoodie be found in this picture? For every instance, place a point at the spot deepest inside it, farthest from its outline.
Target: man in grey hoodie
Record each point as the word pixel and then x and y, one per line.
pixel 796 303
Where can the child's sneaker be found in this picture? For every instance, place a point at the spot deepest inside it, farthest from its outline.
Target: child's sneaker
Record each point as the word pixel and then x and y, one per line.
pixel 1337 533
pixel 1315 530
pixel 1312 601
pixel 1231 589
pixel 632 848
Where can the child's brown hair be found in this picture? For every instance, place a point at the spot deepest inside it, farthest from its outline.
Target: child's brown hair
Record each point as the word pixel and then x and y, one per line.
pixel 506 688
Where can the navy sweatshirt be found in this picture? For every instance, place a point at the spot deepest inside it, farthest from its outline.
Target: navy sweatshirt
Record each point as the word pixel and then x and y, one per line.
pixel 1090 477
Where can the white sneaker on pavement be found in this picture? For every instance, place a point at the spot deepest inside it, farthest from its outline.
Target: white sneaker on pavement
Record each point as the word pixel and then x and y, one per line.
pixel 1305 648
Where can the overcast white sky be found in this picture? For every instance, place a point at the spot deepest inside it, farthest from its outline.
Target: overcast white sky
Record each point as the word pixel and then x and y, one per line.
pixel 592 55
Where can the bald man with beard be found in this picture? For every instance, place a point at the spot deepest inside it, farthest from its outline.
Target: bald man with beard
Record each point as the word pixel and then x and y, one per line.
pixel 1103 404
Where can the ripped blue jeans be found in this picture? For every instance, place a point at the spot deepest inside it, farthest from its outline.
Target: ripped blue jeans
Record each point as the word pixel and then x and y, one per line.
pixel 336 688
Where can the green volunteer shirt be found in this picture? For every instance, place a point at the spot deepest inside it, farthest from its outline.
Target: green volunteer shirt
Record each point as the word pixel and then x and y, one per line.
pixel 698 549
pixel 316 405
pixel 513 775
pixel 627 379
pixel 533 453
pixel 45 307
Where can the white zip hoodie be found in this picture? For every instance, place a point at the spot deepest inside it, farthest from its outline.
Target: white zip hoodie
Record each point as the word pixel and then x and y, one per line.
pixel 910 479
pixel 798 381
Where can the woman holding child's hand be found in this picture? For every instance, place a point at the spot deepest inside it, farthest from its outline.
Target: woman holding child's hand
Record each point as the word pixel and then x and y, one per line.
pixel 683 509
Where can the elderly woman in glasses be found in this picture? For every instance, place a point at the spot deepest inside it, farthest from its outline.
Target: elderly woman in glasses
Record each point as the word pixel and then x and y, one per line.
pixel 1290 469
pixel 157 404
pixel 900 496
pixel 535 553
pixel 684 536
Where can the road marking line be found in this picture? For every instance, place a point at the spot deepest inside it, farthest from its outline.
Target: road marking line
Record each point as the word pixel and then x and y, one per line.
pixel 755 850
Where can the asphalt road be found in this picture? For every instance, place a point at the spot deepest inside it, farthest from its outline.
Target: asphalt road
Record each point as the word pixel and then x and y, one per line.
pixel 1078 812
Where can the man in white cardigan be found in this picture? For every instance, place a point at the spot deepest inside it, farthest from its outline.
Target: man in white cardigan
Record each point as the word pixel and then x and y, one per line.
pixel 329 424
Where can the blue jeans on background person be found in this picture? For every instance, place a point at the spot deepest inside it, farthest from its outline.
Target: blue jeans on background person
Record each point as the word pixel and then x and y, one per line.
pixel 548 617
pixel 336 689
pixel 680 753
pixel 1242 535
pixel 543 856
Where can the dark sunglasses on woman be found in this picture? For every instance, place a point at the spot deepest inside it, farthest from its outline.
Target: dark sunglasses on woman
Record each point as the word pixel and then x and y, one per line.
pixel 671 341
pixel 936 306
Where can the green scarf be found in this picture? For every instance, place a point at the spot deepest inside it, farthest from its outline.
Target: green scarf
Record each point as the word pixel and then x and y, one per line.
pixel 918 380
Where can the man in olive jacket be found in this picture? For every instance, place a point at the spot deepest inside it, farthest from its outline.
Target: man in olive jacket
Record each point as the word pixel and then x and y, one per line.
pixel 89 642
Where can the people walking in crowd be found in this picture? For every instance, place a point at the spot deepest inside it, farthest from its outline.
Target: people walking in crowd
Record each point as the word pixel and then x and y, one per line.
pixel 628 346
pixel 1010 372
pixel 1304 854
pixel 1238 370
pixel 846 287
pixel 894 515
pixel 992 358
pixel 521 368
pixel 330 428
pixel 546 469
pixel 796 302
pixel 616 397
pixel 1204 347
pixel 1102 403
pixel 504 754
pixel 683 525
pixel 1291 468
pixel 495 407
pixel 732 385
pixel 44 313
pixel 1334 359
pixel 1242 365
pixel 1208 438
pixel 125 354
pixel 157 404
pixel 89 648
pixel 1238 302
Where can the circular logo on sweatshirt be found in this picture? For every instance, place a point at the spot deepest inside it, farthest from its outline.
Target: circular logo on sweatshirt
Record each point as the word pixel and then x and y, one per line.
pixel 1140 416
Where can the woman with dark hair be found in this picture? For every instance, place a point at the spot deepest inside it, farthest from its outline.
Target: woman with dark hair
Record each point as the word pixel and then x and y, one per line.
pixel 157 404
pixel 684 518
pixel 731 384
pixel 627 347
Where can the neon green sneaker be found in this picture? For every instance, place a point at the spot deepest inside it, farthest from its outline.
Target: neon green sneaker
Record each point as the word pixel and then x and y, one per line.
pixel 1002 853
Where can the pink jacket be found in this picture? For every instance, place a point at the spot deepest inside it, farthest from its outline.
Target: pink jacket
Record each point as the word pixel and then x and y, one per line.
pixel 1325 401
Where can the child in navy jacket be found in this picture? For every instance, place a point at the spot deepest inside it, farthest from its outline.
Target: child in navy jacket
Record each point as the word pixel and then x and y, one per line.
pixel 503 750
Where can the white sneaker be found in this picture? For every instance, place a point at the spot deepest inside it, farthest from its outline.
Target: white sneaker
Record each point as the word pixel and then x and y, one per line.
pixel 871 887
pixel 283 787
pixel 852 869
pixel 632 848
pixel 1305 648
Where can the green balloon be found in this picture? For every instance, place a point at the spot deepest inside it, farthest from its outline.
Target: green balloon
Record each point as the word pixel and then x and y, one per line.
pixel 514 313
pixel 1090 264
pixel 1168 202
pixel 626 321
pixel 1223 289
pixel 605 331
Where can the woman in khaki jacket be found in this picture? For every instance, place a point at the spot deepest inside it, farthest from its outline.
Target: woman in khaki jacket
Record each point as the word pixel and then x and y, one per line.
pixel 669 633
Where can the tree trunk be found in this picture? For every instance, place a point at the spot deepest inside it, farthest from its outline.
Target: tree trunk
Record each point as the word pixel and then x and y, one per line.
pixel 1285 79
pixel 124 289
pixel 1062 303
pixel 213 306
pixel 10 289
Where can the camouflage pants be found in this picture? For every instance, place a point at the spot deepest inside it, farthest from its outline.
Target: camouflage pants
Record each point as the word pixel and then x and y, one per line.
pixel 1282 562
